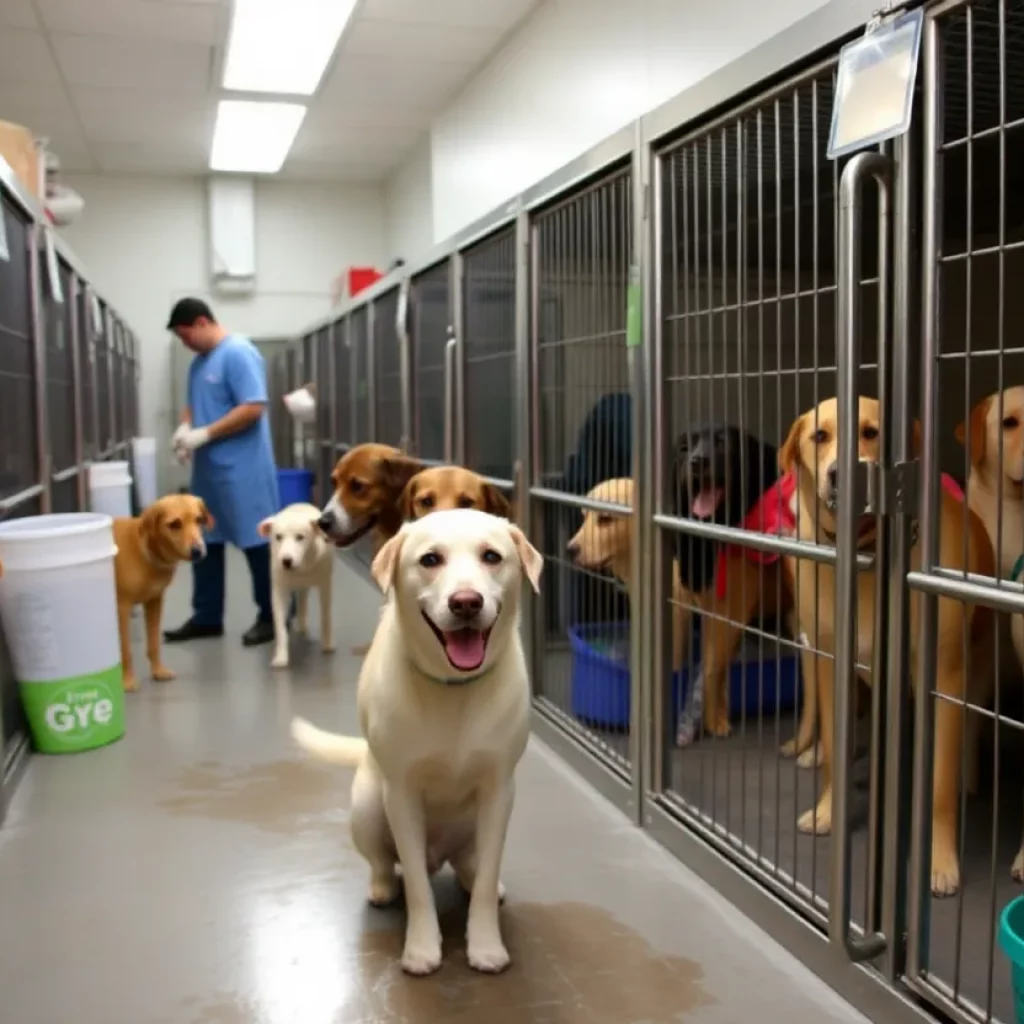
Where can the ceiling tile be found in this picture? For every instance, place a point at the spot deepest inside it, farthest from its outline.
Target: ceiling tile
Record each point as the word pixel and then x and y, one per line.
pixel 391 80
pixel 150 158
pixel 425 42
pixel 120 114
pixel 134 64
pixel 25 57
pixel 501 14
pixel 133 19
pixel 18 14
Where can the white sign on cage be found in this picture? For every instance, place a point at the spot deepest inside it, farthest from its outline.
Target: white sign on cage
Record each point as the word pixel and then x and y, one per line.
pixel 874 98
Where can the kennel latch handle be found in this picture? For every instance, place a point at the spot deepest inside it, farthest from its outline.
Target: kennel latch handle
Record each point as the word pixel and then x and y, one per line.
pixel 851 504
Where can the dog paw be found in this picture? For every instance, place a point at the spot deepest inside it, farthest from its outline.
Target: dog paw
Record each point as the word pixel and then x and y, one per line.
pixel 280 661
pixel 162 674
pixel 384 892
pixel 131 682
pixel 817 822
pixel 421 958
pixel 945 874
pixel 1018 866
pixel 811 758
pixel 686 734
pixel 488 957
pixel 720 728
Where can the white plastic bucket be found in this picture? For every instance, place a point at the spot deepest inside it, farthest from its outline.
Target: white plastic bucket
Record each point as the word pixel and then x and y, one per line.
pixel 110 489
pixel 58 604
pixel 144 465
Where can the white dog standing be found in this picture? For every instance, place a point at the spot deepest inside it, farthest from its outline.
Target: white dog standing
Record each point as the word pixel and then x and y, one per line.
pixel 300 559
pixel 444 705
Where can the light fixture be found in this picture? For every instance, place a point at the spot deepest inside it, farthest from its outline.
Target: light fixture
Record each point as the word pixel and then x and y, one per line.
pixel 283 47
pixel 252 137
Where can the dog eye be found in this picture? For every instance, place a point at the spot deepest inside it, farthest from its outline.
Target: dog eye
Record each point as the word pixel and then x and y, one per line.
pixel 174 524
pixel 819 436
pixel 427 502
pixel 491 557
pixel 300 537
pixel 355 486
pixel 604 520
pixel 1010 423
pixel 465 501
pixel 278 536
pixel 869 433
pixel 431 560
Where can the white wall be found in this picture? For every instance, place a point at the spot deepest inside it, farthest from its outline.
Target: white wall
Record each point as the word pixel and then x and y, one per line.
pixel 574 73
pixel 408 196
pixel 143 241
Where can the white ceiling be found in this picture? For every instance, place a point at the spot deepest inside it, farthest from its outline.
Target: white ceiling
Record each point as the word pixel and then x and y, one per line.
pixel 132 85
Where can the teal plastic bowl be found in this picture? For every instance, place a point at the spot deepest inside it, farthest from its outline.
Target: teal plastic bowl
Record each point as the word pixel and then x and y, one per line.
pixel 1011 940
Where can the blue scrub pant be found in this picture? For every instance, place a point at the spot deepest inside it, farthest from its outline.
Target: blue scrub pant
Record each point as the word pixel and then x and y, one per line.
pixel 208 584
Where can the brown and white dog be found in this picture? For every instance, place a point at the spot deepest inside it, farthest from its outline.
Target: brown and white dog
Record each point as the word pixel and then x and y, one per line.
pixel 441 488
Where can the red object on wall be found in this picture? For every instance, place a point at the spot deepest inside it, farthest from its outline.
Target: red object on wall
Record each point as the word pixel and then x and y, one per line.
pixel 360 278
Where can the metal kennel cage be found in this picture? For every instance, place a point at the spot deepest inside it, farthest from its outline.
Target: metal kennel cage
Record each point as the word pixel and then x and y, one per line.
pixel 432 331
pixel 388 356
pixel 56 398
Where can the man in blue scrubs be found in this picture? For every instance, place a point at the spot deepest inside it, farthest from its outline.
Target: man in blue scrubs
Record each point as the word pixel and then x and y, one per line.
pixel 226 433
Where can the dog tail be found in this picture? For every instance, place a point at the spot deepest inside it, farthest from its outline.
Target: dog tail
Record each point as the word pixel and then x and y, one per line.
pixel 328 746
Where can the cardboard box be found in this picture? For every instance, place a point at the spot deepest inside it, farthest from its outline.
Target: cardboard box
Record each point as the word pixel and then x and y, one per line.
pixel 18 147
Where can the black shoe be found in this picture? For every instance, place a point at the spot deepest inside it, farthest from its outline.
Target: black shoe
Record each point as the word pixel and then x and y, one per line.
pixel 191 631
pixel 259 632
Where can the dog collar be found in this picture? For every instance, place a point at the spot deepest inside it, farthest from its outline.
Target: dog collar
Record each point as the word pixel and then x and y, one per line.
pixel 456 680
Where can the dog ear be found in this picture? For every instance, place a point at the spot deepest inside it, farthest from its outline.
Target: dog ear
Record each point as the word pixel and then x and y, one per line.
pixel 789 453
pixel 266 526
pixel 150 522
pixel 530 558
pixel 407 500
pixel 495 502
pixel 385 562
pixel 204 516
pixel 396 471
pixel 973 434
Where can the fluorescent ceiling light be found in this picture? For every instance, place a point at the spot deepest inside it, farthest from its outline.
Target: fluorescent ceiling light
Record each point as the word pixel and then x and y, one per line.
pixel 283 46
pixel 252 137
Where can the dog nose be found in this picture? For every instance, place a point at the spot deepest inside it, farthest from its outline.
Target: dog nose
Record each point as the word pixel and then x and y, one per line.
pixel 287 562
pixel 574 550
pixel 198 553
pixel 465 603
pixel 326 522
pixel 833 477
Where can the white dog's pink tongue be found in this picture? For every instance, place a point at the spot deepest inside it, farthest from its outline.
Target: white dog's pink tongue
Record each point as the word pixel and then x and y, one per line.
pixel 465 648
pixel 706 502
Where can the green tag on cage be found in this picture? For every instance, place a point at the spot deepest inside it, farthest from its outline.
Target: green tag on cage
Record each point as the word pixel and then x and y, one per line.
pixel 634 309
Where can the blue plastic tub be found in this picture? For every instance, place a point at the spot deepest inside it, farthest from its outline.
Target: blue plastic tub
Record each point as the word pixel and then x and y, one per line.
pixel 294 486
pixel 1011 940
pixel 600 677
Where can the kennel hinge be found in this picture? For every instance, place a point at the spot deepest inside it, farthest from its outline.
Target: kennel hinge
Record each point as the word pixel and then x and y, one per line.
pixel 892 492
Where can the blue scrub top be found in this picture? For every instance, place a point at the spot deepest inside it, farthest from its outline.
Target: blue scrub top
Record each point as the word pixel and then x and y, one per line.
pixel 236 476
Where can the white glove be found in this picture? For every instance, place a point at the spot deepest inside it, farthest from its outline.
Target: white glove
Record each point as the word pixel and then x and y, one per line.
pixel 183 428
pixel 193 438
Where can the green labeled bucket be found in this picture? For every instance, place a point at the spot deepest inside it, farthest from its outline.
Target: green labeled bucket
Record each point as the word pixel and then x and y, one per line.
pixel 58 605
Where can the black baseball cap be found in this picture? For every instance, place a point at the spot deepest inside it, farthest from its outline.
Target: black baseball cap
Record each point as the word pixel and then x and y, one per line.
pixel 187 311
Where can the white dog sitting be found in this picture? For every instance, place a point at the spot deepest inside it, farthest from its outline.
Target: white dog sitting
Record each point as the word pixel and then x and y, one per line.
pixel 300 558
pixel 444 705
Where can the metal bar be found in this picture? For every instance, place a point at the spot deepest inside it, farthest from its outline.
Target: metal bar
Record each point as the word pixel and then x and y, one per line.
pixel 371 370
pixel 39 369
pixel 67 474
pixel 12 501
pixel 579 501
pixel 405 363
pixel 640 369
pixel 76 372
pixel 848 359
pixel 459 361
pixel 449 398
pixel 919 887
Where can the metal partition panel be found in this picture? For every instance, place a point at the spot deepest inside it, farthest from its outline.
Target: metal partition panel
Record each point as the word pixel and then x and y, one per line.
pixel 325 352
pixel 431 330
pixel 87 370
pixel 970 722
pixel 387 369
pixel 488 356
pixel 581 250
pixel 359 335
pixel 276 370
